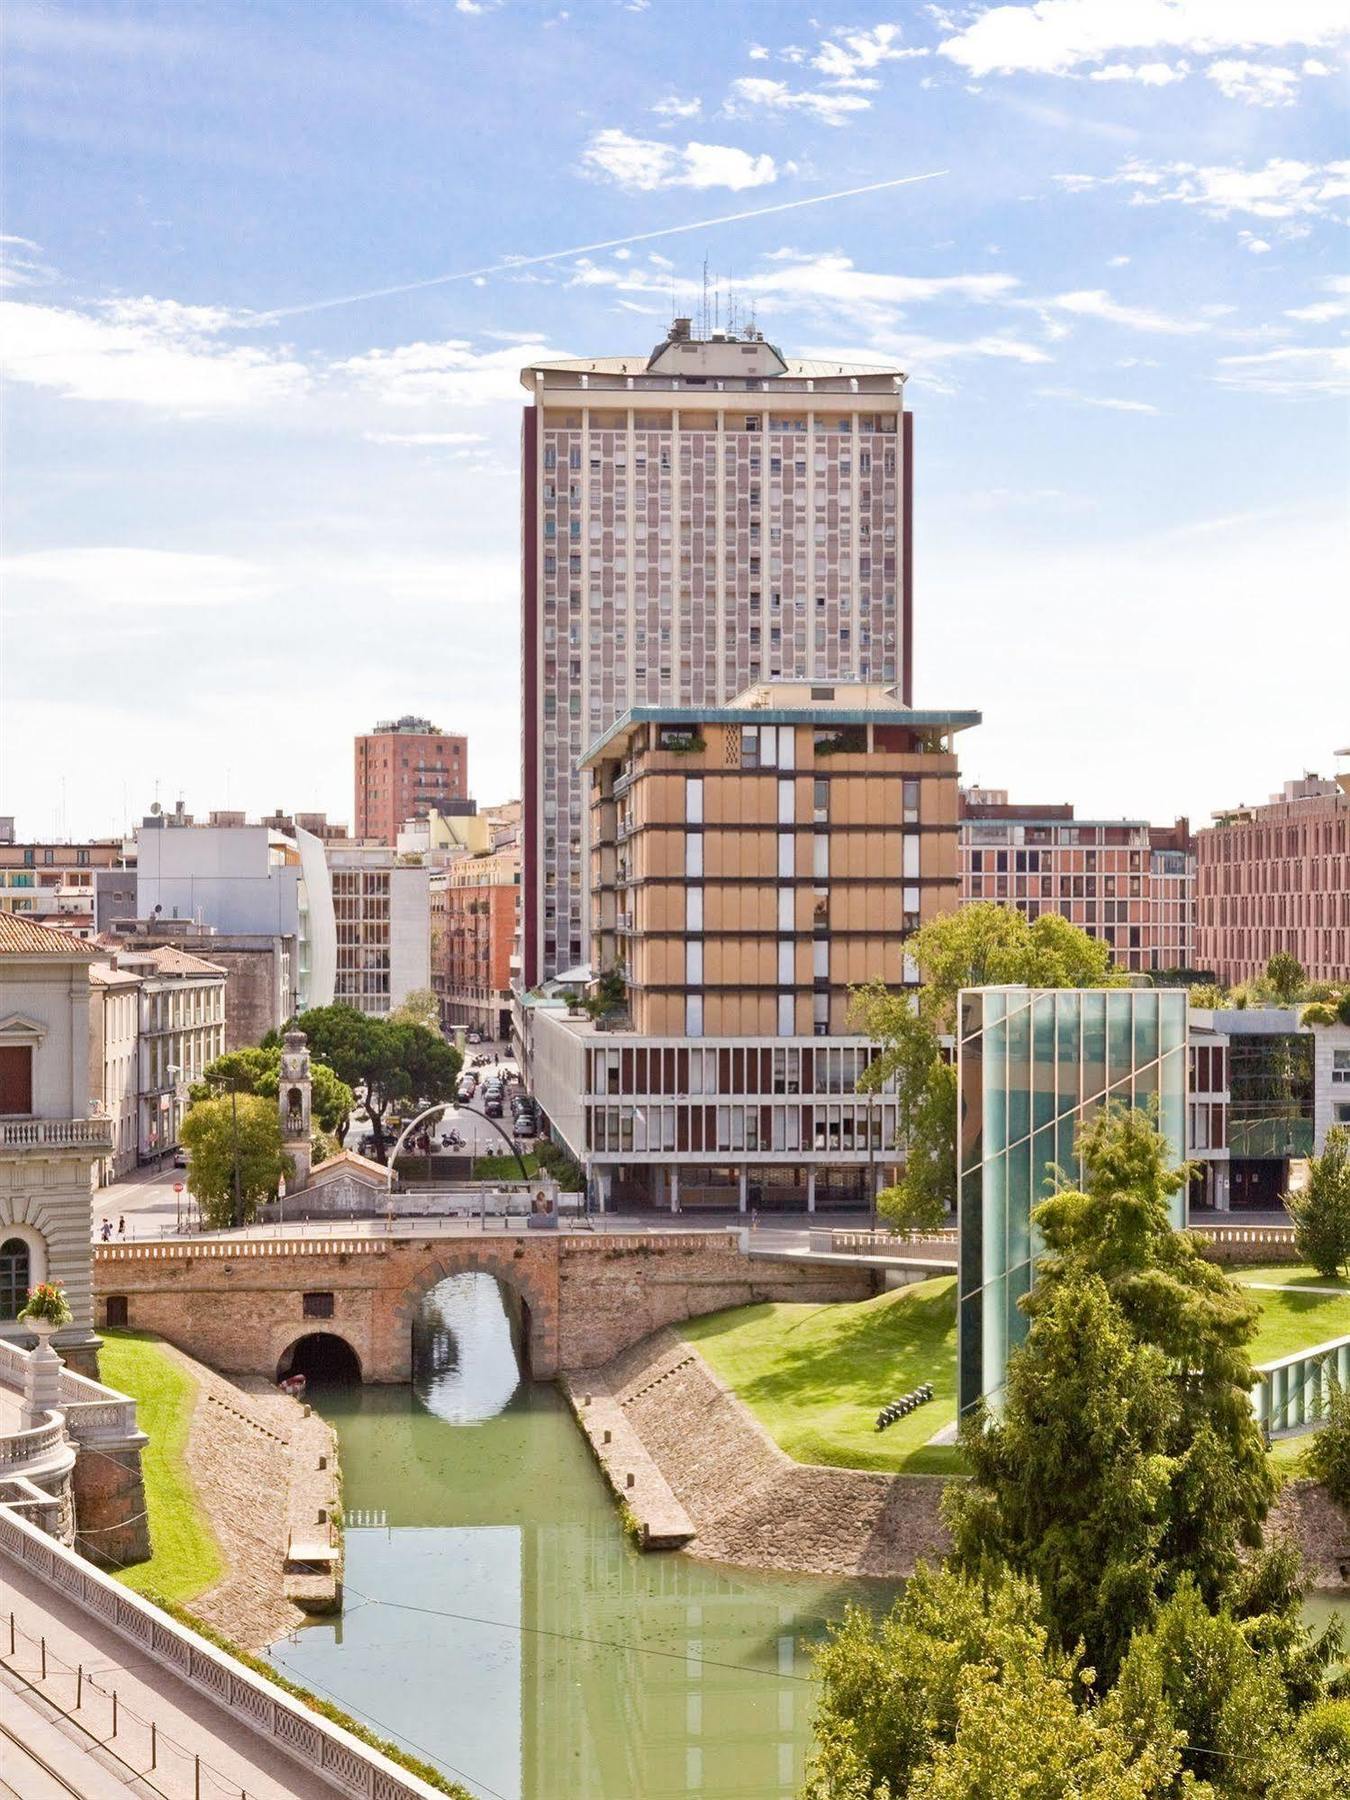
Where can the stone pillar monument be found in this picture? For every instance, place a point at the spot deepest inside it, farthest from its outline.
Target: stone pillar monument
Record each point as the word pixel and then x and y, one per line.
pixel 293 1097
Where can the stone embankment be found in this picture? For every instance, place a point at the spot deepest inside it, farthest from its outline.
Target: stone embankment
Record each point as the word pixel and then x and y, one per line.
pixel 695 1451
pixel 265 1469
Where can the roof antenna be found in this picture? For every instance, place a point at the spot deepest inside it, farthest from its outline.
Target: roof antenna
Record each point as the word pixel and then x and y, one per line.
pixel 703 330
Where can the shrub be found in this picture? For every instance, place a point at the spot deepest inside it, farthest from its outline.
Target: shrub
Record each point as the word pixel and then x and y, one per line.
pixel 1327 1458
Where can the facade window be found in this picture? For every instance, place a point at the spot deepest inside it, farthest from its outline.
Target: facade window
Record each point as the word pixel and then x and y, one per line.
pixel 910 802
pixel 820 856
pixel 693 909
pixel 787 1022
pixel 693 1015
pixel 910 863
pixel 15 1277
pixel 318 1306
pixel 693 962
pixel 787 911
pixel 693 799
pixel 785 964
pixel 693 853
pixel 1340 1065
pixel 16 1078
pixel 820 959
pixel 787 859
pixel 787 802
pixel 820 799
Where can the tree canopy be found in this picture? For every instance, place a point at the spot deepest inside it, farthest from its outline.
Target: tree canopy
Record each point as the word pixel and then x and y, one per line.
pixel 212 1132
pixel 388 1061
pixel 258 1071
pixel 1321 1210
pixel 420 1007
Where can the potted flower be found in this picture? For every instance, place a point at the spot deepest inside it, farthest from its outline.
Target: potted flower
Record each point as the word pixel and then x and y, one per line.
pixel 47 1309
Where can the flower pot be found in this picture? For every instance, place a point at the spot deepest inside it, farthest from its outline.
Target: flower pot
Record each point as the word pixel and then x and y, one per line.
pixel 42 1329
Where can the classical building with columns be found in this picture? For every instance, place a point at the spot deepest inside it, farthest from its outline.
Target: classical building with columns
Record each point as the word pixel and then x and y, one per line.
pixel 52 1131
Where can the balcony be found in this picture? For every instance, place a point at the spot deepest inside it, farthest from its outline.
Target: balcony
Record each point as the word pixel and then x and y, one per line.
pixel 56 1134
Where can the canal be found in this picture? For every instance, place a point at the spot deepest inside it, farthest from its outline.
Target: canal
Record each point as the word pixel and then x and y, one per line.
pixel 498 1622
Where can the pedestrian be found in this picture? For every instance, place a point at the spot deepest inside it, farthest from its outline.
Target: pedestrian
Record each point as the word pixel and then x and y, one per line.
pixel 121 1226
pixel 105 1230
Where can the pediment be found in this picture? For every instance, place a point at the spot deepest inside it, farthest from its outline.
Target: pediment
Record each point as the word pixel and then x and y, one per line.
pixel 19 1028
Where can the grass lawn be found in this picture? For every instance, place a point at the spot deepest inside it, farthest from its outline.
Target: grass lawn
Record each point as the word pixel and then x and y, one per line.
pixel 816 1376
pixel 186 1558
pixel 1294 1321
pixel 503 1168
pixel 1287 1275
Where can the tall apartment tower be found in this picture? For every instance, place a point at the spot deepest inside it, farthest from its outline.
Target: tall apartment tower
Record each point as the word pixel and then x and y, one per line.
pixel 404 768
pixel 694 521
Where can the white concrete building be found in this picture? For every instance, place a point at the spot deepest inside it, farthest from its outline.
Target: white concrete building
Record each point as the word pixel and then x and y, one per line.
pixel 51 1135
pixel 380 906
pixel 114 1061
pixel 181 1029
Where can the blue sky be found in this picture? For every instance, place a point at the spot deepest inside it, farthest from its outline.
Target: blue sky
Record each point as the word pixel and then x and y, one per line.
pixel 242 523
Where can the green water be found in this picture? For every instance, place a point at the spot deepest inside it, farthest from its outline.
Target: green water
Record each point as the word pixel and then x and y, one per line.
pixel 498 1622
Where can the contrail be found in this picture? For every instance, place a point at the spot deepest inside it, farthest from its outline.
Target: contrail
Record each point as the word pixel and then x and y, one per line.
pixel 638 237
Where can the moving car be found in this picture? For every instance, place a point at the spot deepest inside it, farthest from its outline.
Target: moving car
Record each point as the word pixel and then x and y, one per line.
pixel 180 1158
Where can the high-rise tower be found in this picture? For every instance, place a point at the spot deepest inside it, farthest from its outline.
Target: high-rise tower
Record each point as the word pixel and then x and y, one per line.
pixel 694 521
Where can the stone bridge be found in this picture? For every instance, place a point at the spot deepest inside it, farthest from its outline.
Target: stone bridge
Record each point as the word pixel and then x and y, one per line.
pixel 242 1304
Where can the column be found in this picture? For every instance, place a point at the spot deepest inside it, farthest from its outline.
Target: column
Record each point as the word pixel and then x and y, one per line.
pixel 1222 1200
pixel 674 1187
pixel 811 1188
pixel 742 1183
pixel 604 1183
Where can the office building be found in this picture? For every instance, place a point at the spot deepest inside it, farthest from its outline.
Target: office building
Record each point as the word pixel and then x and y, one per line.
pixel 1121 880
pixel 750 864
pixel 1033 1064
pixel 51 1135
pixel 475 915
pixel 404 769
pixel 377 908
pixel 695 521
pixel 1275 879
pixel 180 1029
pixel 56 884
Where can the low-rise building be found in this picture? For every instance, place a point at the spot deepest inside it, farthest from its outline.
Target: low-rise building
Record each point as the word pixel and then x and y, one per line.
pixel 262 972
pixel 180 1030
pixel 1275 879
pixel 114 1063
pixel 1122 880
pixel 750 863
pixel 56 884
pixel 52 1134
pixel 381 913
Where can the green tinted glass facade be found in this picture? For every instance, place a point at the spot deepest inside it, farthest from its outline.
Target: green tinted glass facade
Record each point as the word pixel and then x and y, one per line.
pixel 1033 1064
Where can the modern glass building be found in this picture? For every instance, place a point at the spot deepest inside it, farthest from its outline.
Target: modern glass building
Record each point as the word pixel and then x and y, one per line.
pixel 1034 1063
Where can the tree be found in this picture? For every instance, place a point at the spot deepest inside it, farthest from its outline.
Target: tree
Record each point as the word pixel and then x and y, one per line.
pixel 420 1007
pixel 979 944
pixel 1327 1458
pixel 213 1135
pixel 958 1692
pixel 258 1071
pixel 1286 977
pixel 1179 1461
pixel 1321 1212
pixel 387 1061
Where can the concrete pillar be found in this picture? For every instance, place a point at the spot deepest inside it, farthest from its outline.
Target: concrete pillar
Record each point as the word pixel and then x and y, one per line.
pixel 810 1187
pixel 742 1185
pixel 674 1187
pixel 41 1384
pixel 1222 1198
pixel 604 1183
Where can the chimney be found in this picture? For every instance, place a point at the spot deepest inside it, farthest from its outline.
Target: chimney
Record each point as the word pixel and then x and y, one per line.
pixel 681 330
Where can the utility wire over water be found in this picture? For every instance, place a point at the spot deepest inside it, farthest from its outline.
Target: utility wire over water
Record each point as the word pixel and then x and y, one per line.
pixel 507 1627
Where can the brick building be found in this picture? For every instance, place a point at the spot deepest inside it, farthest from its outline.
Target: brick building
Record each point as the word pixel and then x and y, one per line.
pixel 1276 878
pixel 404 769
pixel 475 910
pixel 694 521
pixel 1122 880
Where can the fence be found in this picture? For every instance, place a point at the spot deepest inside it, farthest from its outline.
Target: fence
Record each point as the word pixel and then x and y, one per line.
pixel 253 1705
pixel 1293 1393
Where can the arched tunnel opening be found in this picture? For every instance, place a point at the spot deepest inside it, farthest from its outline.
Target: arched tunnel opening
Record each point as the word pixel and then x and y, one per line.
pixel 324 1359
pixel 470 1347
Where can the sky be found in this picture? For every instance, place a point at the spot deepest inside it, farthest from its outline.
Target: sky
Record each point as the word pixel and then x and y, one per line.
pixel 272 270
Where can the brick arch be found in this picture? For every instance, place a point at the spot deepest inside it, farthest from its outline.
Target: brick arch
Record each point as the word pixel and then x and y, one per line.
pixel 512 1267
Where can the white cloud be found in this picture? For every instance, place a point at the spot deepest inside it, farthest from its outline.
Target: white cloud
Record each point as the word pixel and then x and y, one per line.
pixel 450 372
pixel 851 54
pixel 1260 84
pixel 115 578
pixel 751 91
pixel 1154 74
pixel 758 53
pixel 831 279
pixel 1058 37
pixel 21 263
pixel 1313 67
pixel 1257 245
pixel 1322 311
pixel 672 107
pixel 1096 303
pixel 643 164
pixel 152 353
pixel 1117 262
pixel 427 439
pixel 1291 372
pixel 1106 401
pixel 1280 189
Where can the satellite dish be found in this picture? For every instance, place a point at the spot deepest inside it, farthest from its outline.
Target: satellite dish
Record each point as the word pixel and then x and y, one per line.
pixel 155 809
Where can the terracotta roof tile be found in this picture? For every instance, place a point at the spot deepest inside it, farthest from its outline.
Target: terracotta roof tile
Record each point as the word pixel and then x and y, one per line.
pixel 21 937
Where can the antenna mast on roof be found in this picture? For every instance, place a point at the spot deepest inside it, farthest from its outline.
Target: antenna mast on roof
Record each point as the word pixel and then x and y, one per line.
pixel 703 316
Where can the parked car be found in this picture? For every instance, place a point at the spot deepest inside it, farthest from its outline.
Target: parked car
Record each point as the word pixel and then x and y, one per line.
pixel 492 1106
pixel 473 1037
pixel 180 1158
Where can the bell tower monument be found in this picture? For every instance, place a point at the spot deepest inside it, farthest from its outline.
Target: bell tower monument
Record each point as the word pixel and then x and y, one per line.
pixel 293 1096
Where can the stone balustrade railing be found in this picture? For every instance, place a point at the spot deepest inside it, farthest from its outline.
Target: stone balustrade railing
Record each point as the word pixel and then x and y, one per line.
pixel 239 1249
pixel 22 1449
pixel 1293 1393
pixel 57 1134
pixel 254 1706
pixel 91 1410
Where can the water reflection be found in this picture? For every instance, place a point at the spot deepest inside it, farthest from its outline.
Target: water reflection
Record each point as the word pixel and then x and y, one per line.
pixel 466 1350
pixel 498 1620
